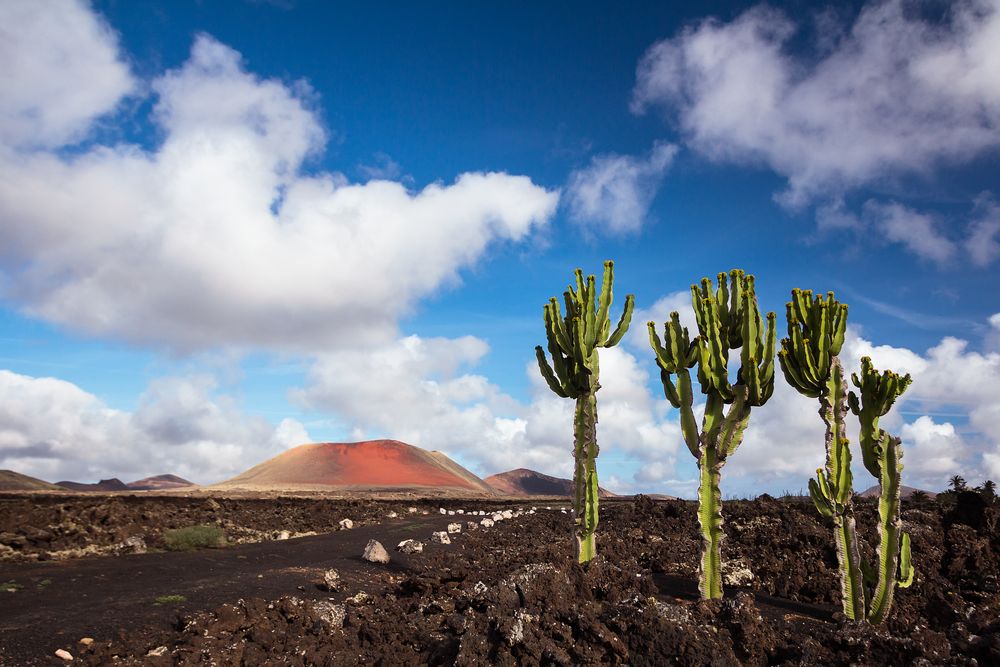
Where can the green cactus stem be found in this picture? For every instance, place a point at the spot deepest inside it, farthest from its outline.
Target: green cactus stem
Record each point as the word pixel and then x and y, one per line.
pixel 883 458
pixel 727 319
pixel 573 342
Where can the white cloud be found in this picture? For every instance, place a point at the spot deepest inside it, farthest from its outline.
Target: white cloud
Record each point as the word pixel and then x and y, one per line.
pixel 421 391
pixel 59 71
pixel 894 94
pixel 55 430
pixel 983 242
pixel 217 237
pixel 613 193
pixel 932 449
pixel 917 232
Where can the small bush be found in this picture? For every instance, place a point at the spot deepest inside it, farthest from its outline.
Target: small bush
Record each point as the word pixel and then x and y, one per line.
pixel 170 599
pixel 194 537
pixel 10 587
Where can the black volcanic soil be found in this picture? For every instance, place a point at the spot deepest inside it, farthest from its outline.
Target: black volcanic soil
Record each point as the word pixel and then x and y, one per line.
pixel 512 595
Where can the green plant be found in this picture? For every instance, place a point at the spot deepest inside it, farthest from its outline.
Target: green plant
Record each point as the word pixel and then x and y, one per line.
pixel 170 599
pixel 194 537
pixel 810 362
pixel 573 343
pixel 957 483
pixel 728 319
pixel 919 497
pixel 989 490
pixel 10 587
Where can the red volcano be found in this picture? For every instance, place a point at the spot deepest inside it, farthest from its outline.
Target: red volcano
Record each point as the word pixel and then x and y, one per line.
pixel 373 464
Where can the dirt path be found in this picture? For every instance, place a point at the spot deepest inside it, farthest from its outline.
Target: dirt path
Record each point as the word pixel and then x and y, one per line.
pixel 57 603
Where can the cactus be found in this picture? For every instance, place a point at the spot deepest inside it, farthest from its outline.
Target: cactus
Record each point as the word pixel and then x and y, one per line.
pixel 573 343
pixel 727 319
pixel 810 363
pixel 882 456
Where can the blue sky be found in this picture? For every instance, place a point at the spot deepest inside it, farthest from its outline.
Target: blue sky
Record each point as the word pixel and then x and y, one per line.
pixel 229 228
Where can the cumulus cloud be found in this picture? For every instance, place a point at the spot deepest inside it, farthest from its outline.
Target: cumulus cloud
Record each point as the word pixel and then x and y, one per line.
pixel 422 391
pixel 894 94
pixel 613 193
pixel 217 235
pixel 55 430
pixel 59 71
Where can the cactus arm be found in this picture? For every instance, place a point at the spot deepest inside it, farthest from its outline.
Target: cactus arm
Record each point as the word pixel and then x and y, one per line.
pixel 546 370
pixel 734 424
pixel 906 571
pixel 689 426
pixel 604 302
pixel 623 323
pixel 820 500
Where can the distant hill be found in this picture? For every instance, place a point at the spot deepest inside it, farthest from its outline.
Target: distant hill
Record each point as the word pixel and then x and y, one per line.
pixel 368 465
pixel 113 484
pixel 159 483
pixel 525 482
pixel 15 481
pixel 904 492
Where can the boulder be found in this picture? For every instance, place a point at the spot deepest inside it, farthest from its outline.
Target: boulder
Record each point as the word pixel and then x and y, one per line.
pixel 64 654
pixel 441 537
pixel 332 579
pixel 346 524
pixel 454 528
pixel 375 552
pixel 487 523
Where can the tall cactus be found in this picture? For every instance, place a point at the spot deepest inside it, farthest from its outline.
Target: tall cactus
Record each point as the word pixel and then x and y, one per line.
pixel 810 361
pixel 573 343
pixel 727 318
pixel 882 455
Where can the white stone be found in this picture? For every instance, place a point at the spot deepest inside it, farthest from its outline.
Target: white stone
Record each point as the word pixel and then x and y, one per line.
pixel 454 528
pixel 64 654
pixel 507 514
pixel 498 516
pixel 346 524
pixel 375 552
pixel 486 523
pixel 332 579
pixel 284 535
pixel 443 511
pixel 411 510
pixel 392 515
pixel 451 512
pixel 441 537
pixel 158 651
pixel 410 547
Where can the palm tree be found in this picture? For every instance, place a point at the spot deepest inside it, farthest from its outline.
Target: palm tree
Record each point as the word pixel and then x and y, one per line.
pixel 957 483
pixel 989 489
pixel 919 497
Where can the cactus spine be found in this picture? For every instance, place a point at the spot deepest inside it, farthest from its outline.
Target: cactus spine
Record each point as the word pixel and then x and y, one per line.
pixel 810 363
pixel 573 343
pixel 727 318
